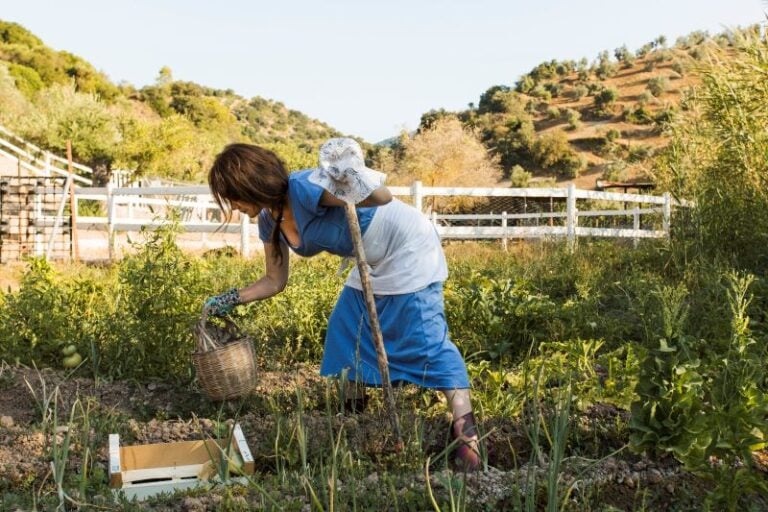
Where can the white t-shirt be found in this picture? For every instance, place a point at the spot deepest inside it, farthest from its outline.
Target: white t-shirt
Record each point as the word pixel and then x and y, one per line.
pixel 403 250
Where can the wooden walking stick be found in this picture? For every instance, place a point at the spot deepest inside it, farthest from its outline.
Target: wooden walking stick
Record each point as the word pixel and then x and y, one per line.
pixel 75 247
pixel 378 340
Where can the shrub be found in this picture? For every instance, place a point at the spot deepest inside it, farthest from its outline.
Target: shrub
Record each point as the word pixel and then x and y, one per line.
pixel 492 100
pixel 624 56
pixel 15 106
pixel 680 67
pixel 646 97
pixel 519 177
pixel 615 170
pixel 27 80
pixel 658 85
pixel 726 179
pixel 697 53
pixel 554 88
pixel 605 99
pixel 551 148
pixel 577 92
pixel 638 114
pixel 64 114
pixel 525 84
pixel 574 118
pixel 572 165
pixel 665 116
pixel 638 152
pixel 541 92
pixel 605 68
pixel 594 88
pixel 553 113
pixel 613 135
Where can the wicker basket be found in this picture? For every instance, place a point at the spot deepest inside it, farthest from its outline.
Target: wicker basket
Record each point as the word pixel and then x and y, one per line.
pixel 229 370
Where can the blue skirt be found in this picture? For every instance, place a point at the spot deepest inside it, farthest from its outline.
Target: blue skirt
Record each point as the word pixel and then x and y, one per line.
pixel 415 338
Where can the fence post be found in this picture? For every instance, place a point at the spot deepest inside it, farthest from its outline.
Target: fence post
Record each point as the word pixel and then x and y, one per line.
pixel 667 212
pixel 47 162
pixel 416 195
pixel 504 230
pixel 202 216
pixel 570 217
pixel 110 221
pixel 59 217
pixel 39 192
pixel 245 246
pixel 636 225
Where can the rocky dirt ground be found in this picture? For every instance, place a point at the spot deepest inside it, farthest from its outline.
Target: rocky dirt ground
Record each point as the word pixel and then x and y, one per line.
pixel 157 412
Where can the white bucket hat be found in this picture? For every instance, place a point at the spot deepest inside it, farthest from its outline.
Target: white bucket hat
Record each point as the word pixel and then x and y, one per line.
pixel 343 173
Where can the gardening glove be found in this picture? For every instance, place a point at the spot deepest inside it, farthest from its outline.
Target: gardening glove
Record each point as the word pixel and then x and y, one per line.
pixel 221 305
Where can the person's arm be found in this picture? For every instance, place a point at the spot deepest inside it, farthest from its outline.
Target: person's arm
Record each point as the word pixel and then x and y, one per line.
pixel 274 280
pixel 378 197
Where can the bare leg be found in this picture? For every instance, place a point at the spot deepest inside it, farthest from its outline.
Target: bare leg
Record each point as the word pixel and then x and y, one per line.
pixel 464 428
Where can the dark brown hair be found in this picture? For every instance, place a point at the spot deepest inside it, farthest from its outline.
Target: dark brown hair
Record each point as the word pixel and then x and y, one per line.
pixel 253 175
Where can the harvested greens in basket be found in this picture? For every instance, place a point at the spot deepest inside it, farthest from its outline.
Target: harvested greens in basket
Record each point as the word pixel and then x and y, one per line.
pixel 211 336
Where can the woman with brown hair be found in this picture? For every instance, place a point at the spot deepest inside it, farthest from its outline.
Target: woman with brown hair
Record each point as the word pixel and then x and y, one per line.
pixel 304 212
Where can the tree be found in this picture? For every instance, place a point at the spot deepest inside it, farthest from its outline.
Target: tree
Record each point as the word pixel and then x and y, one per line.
pixel 429 119
pixel 15 104
pixel 449 155
pixel 164 77
pixel 61 113
pixel 493 100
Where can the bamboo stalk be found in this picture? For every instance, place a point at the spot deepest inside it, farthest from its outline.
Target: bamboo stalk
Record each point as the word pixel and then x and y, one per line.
pixel 378 340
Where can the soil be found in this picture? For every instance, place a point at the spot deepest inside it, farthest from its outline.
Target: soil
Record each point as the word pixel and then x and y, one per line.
pixel 158 412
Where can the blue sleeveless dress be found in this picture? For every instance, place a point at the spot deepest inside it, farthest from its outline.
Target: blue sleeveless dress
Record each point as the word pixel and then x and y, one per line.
pixel 413 325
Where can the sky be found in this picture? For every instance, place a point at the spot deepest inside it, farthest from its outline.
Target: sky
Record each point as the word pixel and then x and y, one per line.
pixel 369 69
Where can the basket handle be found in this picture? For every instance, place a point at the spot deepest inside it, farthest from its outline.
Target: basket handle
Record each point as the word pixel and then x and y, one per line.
pixel 205 342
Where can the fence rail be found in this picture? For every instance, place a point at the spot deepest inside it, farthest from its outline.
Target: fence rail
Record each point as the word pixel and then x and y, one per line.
pixel 130 209
pixel 37 161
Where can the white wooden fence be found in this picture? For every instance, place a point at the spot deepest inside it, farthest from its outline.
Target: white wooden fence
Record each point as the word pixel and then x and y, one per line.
pixel 32 160
pixel 129 209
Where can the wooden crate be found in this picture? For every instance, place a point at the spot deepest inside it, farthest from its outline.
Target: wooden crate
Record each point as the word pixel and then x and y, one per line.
pixel 141 471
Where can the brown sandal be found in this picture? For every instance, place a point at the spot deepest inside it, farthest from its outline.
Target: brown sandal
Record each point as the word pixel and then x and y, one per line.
pixel 465 431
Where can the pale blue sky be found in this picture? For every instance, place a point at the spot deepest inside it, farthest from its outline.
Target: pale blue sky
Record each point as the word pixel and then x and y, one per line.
pixel 368 69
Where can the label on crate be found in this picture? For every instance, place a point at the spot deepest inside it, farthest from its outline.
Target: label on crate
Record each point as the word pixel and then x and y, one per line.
pixel 245 452
pixel 114 453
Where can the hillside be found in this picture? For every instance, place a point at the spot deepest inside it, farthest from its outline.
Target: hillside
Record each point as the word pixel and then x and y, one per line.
pixel 171 128
pixel 564 121
pixel 568 121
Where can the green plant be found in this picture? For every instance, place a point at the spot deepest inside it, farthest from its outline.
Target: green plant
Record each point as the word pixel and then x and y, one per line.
pixel 519 177
pixel 577 92
pixel 616 170
pixel 162 283
pixel 605 99
pixel 668 414
pixel 727 180
pixel 574 119
pixel 657 85
pixel 737 408
pixel 710 412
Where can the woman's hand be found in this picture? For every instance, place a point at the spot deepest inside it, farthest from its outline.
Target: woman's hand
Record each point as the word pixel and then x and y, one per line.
pixel 221 305
pixel 378 197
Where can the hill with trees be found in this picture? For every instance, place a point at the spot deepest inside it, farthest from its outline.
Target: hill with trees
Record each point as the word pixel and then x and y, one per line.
pixel 563 121
pixel 171 128
pixel 581 121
